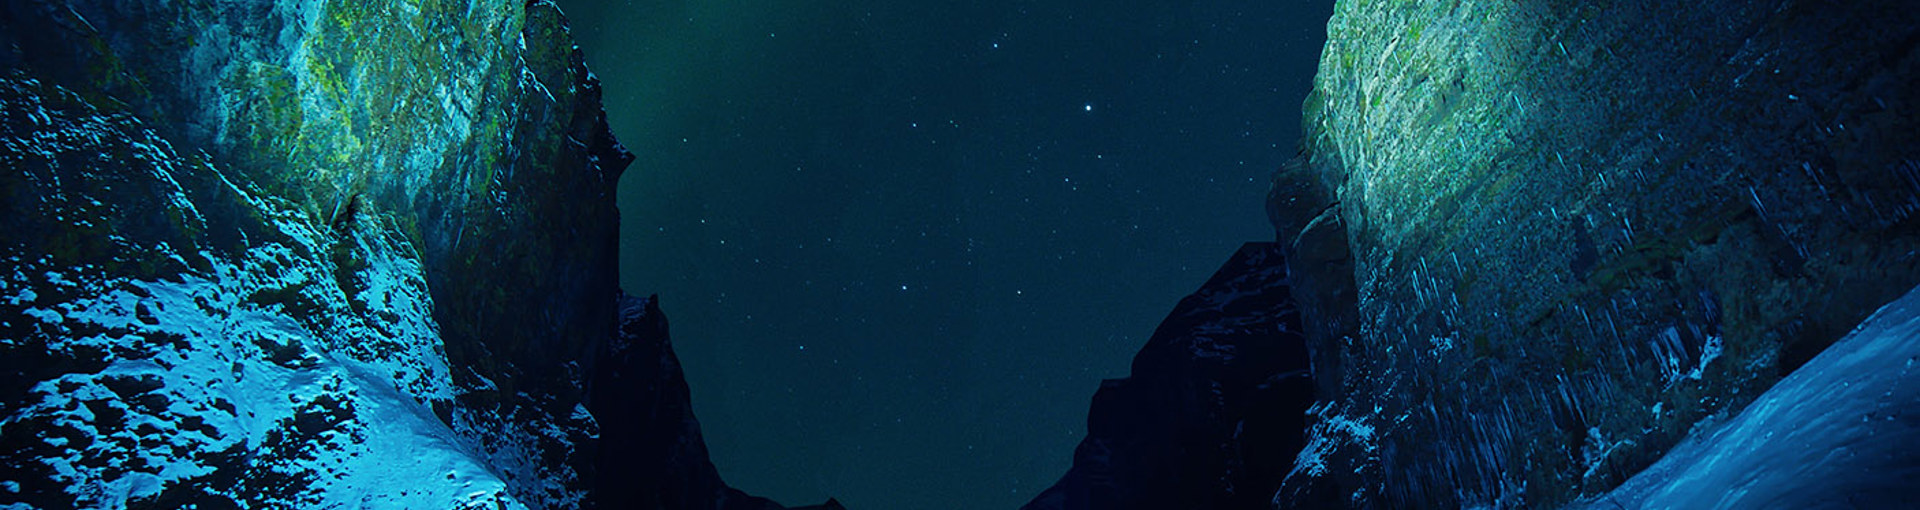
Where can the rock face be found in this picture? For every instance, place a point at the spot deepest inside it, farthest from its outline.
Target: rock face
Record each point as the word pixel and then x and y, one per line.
pixel 1212 414
pixel 1537 242
pixel 312 254
pixel 637 386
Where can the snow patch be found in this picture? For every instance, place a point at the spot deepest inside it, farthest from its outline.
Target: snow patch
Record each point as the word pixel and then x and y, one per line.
pixel 1330 432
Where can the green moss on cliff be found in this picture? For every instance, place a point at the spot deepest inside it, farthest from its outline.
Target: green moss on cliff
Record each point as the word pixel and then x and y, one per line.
pixel 1594 193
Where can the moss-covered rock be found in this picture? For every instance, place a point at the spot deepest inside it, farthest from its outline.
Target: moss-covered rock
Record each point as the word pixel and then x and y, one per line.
pixel 1578 229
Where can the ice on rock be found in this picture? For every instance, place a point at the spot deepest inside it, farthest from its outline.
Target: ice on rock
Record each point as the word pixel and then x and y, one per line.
pixel 1843 431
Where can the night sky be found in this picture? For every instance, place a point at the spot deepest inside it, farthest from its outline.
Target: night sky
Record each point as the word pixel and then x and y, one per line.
pixel 900 242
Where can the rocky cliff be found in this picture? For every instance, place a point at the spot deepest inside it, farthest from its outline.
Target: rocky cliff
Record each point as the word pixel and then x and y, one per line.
pixel 661 461
pixel 312 254
pixel 1538 243
pixel 308 254
pixel 1211 414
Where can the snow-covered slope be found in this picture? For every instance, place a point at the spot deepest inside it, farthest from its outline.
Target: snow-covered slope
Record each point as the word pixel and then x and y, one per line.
pixel 149 363
pixel 1843 431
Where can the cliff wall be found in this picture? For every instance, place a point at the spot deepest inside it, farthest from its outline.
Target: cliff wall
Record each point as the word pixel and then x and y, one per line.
pixel 308 254
pixel 1539 242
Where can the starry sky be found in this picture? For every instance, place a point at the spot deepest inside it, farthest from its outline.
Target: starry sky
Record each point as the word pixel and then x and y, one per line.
pixel 900 243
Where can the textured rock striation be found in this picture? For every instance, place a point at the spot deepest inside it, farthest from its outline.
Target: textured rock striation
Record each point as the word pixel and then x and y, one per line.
pixel 1211 415
pixel 1536 244
pixel 316 254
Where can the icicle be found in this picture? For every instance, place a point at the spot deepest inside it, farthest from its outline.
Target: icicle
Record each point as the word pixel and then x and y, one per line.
pixel 1757 205
pixel 1588 320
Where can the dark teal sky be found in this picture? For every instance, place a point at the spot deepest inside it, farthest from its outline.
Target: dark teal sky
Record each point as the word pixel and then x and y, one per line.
pixel 900 243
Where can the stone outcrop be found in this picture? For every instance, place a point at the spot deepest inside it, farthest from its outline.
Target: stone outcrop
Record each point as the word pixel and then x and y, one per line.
pixel 660 460
pixel 1212 413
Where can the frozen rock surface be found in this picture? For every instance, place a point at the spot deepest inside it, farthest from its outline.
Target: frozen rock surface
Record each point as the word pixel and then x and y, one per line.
pixel 319 254
pixel 172 339
pixel 1843 431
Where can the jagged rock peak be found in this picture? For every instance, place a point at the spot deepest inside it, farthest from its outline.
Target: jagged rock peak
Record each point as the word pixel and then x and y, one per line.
pixel 1214 409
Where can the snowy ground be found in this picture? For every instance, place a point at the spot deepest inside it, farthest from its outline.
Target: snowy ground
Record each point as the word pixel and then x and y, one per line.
pixel 300 372
pixel 1843 431
pixel 242 392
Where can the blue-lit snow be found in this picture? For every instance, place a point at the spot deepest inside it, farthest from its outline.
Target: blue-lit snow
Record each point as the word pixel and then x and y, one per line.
pixel 1843 431
pixel 222 388
pixel 1327 432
